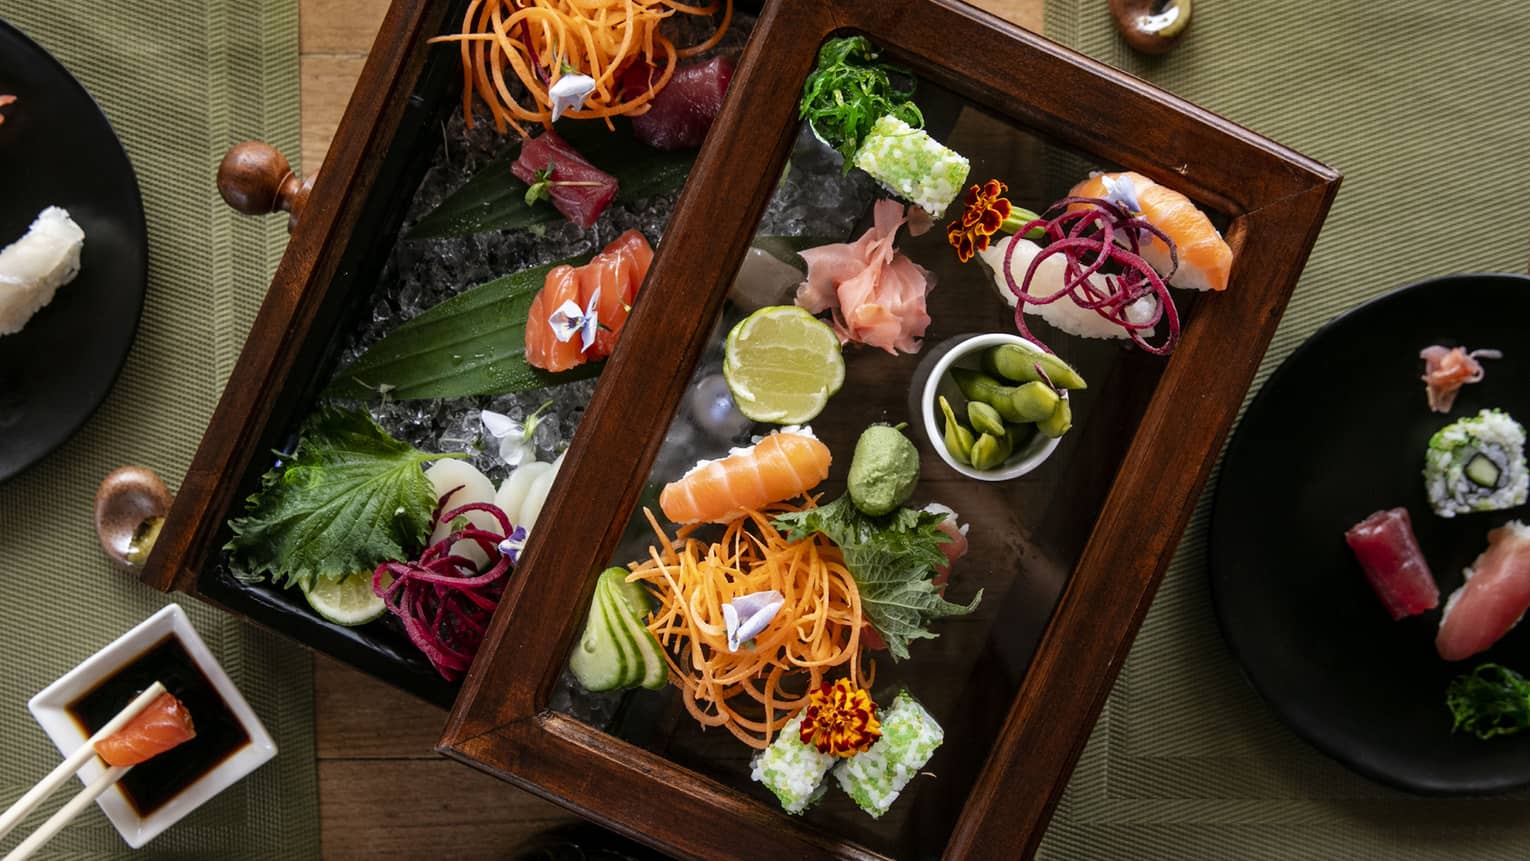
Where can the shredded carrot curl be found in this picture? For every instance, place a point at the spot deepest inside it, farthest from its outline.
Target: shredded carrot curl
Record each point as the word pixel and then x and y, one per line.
pixel 752 692
pixel 533 41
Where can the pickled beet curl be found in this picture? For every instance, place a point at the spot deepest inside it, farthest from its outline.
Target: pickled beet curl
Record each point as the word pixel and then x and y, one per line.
pixel 1097 236
pixel 443 600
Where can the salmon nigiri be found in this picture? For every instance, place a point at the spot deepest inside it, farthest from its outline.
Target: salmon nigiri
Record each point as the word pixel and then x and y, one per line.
pixel 1493 598
pixel 786 463
pixel 1204 257
pixel 164 724
pixel 611 280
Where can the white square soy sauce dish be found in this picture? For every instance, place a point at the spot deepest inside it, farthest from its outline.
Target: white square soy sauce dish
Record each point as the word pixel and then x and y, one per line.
pixel 50 708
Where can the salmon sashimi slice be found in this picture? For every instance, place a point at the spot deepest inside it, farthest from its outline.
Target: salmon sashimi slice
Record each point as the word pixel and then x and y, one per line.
pixel 786 463
pixel 163 725
pixel 617 273
pixel 1447 369
pixel 1493 598
pixel 1205 258
pixel 543 349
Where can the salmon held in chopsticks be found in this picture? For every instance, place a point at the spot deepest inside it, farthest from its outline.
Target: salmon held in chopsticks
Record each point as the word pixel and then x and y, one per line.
pixel 785 463
pixel 164 724
pixel 1205 259
pixel 580 310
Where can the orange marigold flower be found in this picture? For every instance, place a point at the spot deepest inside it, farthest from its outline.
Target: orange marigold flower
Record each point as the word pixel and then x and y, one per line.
pixel 840 719
pixel 985 209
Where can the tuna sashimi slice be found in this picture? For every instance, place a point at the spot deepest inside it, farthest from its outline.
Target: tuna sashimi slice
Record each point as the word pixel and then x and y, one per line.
pixel 582 203
pixel 1389 554
pixel 163 725
pixel 681 113
pixel 1493 598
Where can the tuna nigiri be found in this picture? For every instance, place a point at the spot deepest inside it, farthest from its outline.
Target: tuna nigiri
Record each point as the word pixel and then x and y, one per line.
pixel 1493 598
pixel 1394 565
pixel 786 463
pixel 164 724
pixel 1205 259
pixel 617 273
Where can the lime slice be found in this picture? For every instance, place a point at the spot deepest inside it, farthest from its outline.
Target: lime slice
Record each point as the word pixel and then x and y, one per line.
pixel 348 601
pixel 782 365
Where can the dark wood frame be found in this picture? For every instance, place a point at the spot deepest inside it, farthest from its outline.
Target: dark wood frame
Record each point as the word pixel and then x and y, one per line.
pixel 1276 200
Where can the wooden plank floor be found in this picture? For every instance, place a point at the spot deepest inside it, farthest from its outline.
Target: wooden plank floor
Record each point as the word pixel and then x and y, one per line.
pixel 383 792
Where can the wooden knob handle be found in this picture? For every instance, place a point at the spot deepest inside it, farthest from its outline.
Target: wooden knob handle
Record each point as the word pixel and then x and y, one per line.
pixel 256 179
pixel 1151 26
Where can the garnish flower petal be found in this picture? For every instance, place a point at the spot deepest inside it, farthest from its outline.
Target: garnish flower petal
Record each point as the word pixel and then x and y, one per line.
pixel 569 92
pixel 568 320
pixel 748 615
pixel 984 211
pixel 840 720
pixel 513 544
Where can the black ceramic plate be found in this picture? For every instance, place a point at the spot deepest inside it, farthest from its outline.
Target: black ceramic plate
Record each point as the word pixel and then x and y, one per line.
pixel 1338 432
pixel 57 149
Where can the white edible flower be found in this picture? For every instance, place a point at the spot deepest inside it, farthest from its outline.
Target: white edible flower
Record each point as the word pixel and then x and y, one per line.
pixel 516 445
pixel 569 92
pixel 1122 191
pixel 747 616
pixel 569 320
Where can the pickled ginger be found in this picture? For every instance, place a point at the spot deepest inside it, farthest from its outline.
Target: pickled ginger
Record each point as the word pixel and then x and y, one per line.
pixel 33 267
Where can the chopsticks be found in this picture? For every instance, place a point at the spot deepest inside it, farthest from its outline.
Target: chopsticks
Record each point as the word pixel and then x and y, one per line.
pixel 60 775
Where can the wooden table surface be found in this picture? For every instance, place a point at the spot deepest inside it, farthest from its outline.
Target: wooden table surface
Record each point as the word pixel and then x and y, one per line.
pixel 383 791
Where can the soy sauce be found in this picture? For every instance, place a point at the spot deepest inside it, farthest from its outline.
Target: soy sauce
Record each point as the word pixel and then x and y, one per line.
pixel 152 784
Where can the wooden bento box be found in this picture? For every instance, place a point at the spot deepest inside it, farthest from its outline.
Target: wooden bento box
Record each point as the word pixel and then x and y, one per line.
pixel 1067 556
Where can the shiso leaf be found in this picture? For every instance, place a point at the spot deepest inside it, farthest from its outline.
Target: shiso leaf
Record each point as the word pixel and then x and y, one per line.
pixel 1489 701
pixel 349 498
pixel 493 199
pixel 892 559
pixel 471 344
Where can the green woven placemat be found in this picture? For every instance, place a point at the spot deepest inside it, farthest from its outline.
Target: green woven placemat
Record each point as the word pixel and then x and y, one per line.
pixel 180 82
pixel 1422 107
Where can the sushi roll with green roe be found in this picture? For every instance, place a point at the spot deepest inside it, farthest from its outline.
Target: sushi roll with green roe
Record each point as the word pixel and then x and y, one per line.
pixel 1476 464
pixel 791 769
pixel 912 165
pixel 909 739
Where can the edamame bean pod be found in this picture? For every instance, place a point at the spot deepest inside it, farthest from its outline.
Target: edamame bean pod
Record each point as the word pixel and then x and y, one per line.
pixel 1033 402
pixel 958 438
pixel 978 386
pixel 984 418
pixel 1017 363
pixel 990 452
pixel 1058 422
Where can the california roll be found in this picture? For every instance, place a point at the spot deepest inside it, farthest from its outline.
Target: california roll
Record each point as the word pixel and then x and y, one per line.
pixel 1476 464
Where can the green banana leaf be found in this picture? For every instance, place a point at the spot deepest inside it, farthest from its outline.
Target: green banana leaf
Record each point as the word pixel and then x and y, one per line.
pixel 471 344
pixel 495 200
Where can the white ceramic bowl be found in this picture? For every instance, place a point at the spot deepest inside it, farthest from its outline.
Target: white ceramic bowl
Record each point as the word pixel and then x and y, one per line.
pixel 966 351
pixel 50 709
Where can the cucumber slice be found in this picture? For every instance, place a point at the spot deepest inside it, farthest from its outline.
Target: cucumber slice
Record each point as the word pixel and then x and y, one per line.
pixel 634 599
pixel 602 660
pixel 1482 471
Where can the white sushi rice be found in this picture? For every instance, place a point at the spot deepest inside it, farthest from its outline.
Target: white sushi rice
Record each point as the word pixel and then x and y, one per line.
pixel 912 165
pixel 33 267
pixel 1064 314
pixel 1491 432
pixel 792 770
